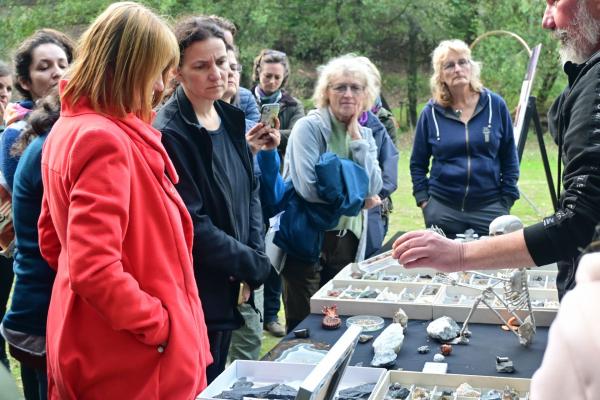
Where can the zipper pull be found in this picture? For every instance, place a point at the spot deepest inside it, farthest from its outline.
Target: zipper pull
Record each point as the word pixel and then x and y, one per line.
pixel 486 134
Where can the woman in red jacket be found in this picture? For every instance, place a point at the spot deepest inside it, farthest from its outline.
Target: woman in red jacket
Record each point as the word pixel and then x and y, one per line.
pixel 125 320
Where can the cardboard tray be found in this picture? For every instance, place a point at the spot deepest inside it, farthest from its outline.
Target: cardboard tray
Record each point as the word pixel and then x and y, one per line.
pixel 451 381
pixel 269 372
pixel 421 308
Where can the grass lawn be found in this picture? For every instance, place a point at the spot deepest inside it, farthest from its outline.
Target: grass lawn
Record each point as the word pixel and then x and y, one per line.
pixel 407 216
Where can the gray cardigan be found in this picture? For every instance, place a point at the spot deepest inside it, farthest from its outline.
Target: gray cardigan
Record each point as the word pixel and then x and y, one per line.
pixel 308 140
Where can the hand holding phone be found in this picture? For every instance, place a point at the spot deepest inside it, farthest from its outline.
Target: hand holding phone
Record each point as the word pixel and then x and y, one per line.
pixel 269 114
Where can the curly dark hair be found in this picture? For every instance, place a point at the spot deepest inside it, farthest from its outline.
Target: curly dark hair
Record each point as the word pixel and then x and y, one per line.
pixel 40 121
pixel 24 54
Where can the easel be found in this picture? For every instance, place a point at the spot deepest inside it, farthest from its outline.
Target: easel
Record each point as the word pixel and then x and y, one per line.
pixel 531 114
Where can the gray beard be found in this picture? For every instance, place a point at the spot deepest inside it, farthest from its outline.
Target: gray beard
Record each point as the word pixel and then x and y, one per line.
pixel 579 40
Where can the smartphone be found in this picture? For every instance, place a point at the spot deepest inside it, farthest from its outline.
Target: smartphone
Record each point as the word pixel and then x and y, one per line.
pixel 269 113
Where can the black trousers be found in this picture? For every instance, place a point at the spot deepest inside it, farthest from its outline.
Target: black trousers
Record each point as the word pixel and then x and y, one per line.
pixel 301 279
pixel 219 347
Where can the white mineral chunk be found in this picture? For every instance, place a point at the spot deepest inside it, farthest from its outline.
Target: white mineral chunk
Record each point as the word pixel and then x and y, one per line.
pixel 466 390
pixel 390 339
pixel 443 328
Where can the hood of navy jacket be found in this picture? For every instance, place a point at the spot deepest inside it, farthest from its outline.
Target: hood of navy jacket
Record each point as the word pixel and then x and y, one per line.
pixel 472 164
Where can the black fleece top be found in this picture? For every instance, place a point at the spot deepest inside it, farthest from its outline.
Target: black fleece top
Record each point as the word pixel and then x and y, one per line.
pixel 574 122
pixel 225 250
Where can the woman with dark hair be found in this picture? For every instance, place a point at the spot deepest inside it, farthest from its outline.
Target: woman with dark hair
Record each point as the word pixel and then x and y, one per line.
pixel 125 320
pixel 205 137
pixel 40 61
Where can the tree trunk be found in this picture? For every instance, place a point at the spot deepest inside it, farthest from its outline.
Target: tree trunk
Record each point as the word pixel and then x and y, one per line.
pixel 412 71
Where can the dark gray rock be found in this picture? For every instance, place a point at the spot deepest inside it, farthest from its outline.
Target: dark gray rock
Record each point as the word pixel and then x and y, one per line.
pixel 504 365
pixel 274 391
pixel 356 392
pixel 396 391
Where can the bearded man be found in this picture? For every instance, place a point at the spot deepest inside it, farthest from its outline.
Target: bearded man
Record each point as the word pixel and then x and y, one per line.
pixel 574 121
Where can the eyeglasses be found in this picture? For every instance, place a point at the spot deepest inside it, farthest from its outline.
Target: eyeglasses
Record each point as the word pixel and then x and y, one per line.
pixel 463 62
pixel 236 67
pixel 342 88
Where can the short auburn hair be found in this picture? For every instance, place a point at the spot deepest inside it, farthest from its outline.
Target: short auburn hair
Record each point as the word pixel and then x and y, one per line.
pixel 119 58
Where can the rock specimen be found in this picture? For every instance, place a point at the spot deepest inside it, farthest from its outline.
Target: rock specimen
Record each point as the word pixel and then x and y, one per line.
pixel 274 391
pixel 446 349
pixel 504 365
pixel 438 357
pixel 387 345
pixel 443 329
pixel 356 392
pixel 397 391
pixel 423 349
pixel 466 390
pixel 302 333
pixel 365 338
pixel 401 318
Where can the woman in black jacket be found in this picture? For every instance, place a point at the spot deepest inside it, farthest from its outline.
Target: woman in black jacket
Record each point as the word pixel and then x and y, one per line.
pixel 205 138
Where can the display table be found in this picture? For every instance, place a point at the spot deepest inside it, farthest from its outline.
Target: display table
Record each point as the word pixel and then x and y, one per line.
pixel 476 358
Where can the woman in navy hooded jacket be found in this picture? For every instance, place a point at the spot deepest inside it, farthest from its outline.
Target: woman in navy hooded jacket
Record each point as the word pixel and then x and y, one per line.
pixel 466 132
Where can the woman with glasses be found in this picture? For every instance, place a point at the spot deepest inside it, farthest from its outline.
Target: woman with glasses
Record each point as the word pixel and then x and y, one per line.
pixel 465 132
pixel 206 139
pixel 345 88
pixel 271 72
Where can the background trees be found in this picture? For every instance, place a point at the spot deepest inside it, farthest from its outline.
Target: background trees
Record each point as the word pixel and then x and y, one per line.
pixel 398 35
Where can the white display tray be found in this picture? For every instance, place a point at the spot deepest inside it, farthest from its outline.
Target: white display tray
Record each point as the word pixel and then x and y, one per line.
pixel 419 308
pixel 459 312
pixel 439 382
pixel 397 279
pixel 268 372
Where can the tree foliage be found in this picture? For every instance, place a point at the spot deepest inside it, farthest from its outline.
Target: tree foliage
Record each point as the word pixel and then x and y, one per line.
pixel 398 35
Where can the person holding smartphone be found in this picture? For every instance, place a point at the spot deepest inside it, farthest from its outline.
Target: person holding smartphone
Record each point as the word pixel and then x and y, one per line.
pixel 271 72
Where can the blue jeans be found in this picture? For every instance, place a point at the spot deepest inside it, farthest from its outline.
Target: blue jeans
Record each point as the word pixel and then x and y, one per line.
pixel 272 302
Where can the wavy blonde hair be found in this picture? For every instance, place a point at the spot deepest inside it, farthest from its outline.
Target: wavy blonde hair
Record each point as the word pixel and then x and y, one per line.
pixel 119 58
pixel 439 90
pixel 358 67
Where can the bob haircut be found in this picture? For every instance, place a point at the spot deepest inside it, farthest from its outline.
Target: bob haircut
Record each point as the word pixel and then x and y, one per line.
pixel 24 54
pixel 349 64
pixel 119 58
pixel 439 90
pixel 269 56
pixel 190 30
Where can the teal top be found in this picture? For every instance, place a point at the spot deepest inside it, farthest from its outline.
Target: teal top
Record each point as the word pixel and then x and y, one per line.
pixel 339 143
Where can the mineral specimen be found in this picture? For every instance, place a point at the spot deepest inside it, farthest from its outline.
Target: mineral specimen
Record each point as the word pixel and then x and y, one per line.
pixel 446 349
pixel 397 391
pixel 423 349
pixel 504 364
pixel 365 338
pixel 443 329
pixel 438 357
pixel 356 392
pixel 302 333
pixel 466 390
